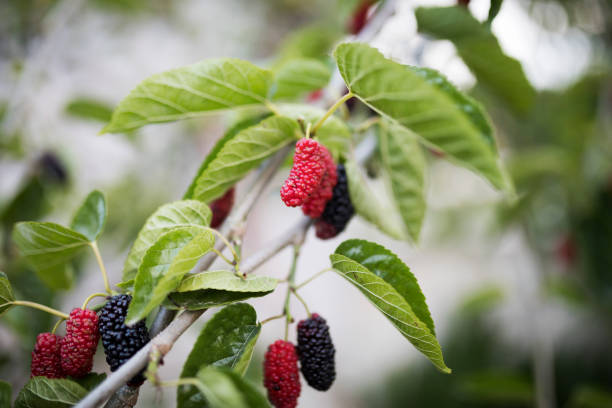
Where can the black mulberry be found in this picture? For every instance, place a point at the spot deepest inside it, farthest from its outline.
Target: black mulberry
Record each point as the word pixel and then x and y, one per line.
pixel 120 341
pixel 338 210
pixel 316 352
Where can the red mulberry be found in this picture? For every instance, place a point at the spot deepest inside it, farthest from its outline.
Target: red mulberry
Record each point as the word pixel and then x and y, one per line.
pixel 221 207
pixel 306 173
pixel 315 204
pixel 281 374
pixel 79 345
pixel 46 359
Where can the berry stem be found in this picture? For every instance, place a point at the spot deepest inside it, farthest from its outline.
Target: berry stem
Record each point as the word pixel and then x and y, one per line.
pixel 40 307
pixel 366 124
pixel 96 251
pixel 220 255
pixel 330 111
pixel 227 244
pixel 269 319
pixel 291 280
pixel 57 325
pixel 180 381
pixel 91 297
pixel 302 301
pixel 272 108
pixel 313 277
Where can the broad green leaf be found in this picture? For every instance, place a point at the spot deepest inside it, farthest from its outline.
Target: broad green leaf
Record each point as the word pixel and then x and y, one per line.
pixel 227 280
pixel 229 135
pixel 369 206
pixel 387 266
pixel 191 91
pixel 42 392
pixel 409 99
pixel 481 52
pixel 243 153
pixel 90 217
pixel 5 394
pixel 207 298
pixel 48 247
pixel 164 265
pixel 405 164
pixel 225 388
pixel 298 76
pixel 90 381
pixel 87 108
pixel 334 133
pixel 185 213
pixel 389 300
pixel 227 340
pixel 6 293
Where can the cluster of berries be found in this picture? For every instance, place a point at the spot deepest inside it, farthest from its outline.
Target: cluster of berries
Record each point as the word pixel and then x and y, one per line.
pixel 315 352
pixel 320 187
pixel 72 355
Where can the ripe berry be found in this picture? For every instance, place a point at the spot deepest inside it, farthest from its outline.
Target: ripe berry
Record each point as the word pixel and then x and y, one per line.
pixel 221 207
pixel 306 173
pixel 46 359
pixel 338 210
pixel 120 341
pixel 78 346
pixel 281 375
pixel 316 352
pixel 315 204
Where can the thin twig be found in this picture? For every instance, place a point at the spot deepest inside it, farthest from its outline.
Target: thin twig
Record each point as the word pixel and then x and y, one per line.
pixel 96 251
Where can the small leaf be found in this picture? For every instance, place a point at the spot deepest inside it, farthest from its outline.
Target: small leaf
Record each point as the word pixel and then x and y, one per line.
pixel 405 164
pixel 48 247
pixel 227 340
pixel 90 217
pixel 5 394
pixel 334 133
pixel 207 298
pixel 388 283
pixel 163 266
pixel 368 205
pixel 409 99
pixel 6 293
pixel 185 213
pixel 42 392
pixel 227 280
pixel 298 76
pixel 243 153
pixel 224 388
pixel 191 91
pixel 229 135
pixel 87 108
pixel 481 52
pixel 494 10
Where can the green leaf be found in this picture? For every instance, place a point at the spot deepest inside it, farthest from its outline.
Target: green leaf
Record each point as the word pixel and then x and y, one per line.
pixel 185 213
pixel 90 217
pixel 191 91
pixel 387 282
pixel 229 135
pixel 91 109
pixel 6 293
pixel 481 52
pixel 494 10
pixel 405 164
pixel 313 41
pixel 207 298
pixel 409 99
pixel 368 205
pixel 243 153
pixel 227 340
pixel 227 280
pixel 5 394
pixel 42 392
pixel 334 133
pixel 298 76
pixel 224 388
pixel 90 381
pixel 163 266
pixel 48 247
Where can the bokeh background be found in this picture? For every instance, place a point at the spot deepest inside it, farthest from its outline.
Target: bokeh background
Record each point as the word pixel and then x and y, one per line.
pixel 521 292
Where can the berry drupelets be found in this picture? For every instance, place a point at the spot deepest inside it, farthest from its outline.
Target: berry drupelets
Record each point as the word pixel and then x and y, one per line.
pixel 46 359
pixel 281 374
pixel 78 346
pixel 338 210
pixel 306 174
pixel 120 341
pixel 316 352
pixel 315 204
pixel 221 207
